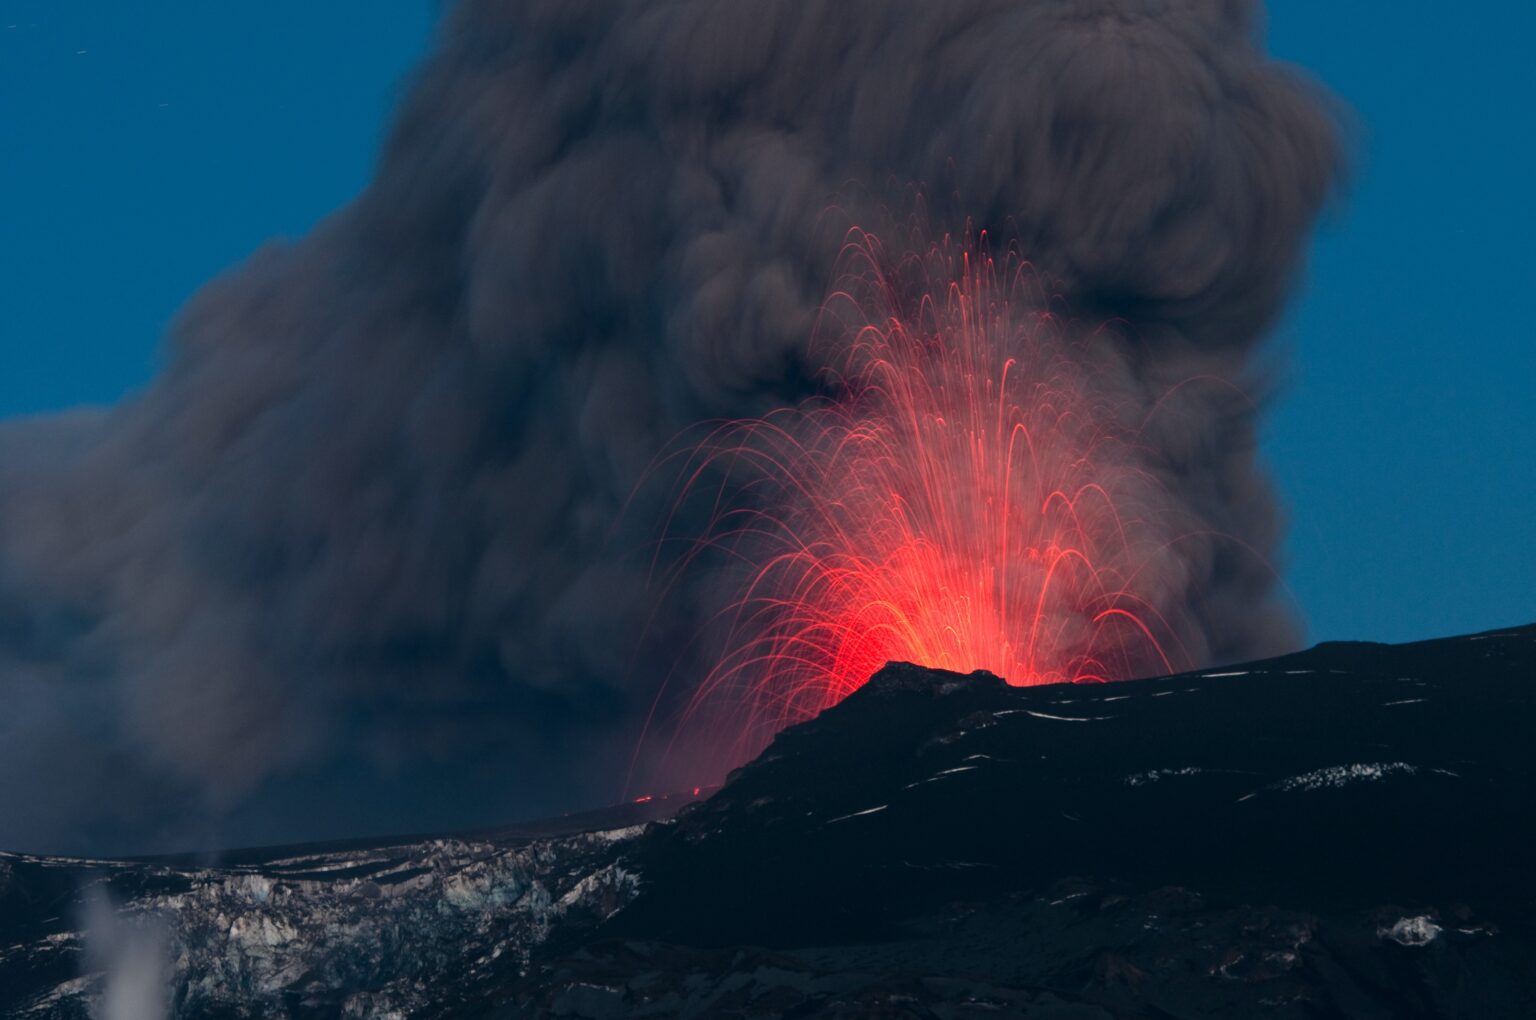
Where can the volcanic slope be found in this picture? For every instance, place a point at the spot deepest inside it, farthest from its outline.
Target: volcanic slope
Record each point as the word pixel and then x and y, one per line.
pixel 1343 832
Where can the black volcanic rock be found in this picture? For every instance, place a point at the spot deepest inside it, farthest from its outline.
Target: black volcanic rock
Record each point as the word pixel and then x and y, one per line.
pixel 1344 832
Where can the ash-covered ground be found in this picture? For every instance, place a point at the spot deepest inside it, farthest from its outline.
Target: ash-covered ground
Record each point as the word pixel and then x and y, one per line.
pixel 1343 832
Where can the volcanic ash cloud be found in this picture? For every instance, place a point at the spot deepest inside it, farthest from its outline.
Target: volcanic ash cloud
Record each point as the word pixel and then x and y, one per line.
pixel 372 515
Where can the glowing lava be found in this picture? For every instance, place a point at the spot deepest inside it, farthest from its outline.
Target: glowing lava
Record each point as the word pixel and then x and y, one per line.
pixel 966 498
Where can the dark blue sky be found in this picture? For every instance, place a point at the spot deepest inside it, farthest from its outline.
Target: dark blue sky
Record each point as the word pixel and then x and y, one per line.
pixel 147 147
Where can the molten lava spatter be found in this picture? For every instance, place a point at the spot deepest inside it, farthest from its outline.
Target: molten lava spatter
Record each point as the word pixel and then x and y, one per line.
pixel 964 498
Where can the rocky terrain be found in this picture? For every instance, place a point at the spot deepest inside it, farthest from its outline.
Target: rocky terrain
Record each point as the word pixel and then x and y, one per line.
pixel 1343 832
pixel 386 931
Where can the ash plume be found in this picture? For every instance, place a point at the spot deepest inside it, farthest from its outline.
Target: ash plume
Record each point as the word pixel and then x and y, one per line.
pixel 376 519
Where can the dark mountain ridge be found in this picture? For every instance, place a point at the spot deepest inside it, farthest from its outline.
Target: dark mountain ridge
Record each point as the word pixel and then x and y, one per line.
pixel 1346 831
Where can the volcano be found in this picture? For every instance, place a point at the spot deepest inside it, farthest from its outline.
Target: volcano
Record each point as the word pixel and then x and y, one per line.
pixel 1342 832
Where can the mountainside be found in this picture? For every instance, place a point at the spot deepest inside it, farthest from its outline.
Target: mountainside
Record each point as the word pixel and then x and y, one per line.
pixel 1343 832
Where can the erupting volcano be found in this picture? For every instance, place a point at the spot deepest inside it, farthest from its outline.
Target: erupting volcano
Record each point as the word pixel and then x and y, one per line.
pixel 402 513
pixel 964 497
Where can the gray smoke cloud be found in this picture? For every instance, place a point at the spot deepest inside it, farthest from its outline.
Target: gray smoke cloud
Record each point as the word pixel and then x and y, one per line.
pixel 127 958
pixel 363 535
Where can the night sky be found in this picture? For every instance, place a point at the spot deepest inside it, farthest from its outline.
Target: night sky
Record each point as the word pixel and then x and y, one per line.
pixel 147 148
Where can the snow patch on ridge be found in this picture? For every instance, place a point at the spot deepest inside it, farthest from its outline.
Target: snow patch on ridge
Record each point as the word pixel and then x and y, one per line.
pixel 1342 775
pixel 1411 931
pixel 1143 778
pixel 1337 776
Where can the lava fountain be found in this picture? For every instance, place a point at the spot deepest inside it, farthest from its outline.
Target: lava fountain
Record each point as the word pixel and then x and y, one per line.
pixel 964 496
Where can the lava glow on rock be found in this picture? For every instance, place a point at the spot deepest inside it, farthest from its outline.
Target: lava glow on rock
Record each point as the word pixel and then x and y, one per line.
pixel 966 497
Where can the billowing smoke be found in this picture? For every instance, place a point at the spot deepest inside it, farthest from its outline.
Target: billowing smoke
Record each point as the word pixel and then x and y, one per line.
pixel 367 532
pixel 127 958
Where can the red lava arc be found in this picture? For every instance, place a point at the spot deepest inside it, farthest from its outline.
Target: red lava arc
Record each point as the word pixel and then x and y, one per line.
pixel 966 498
